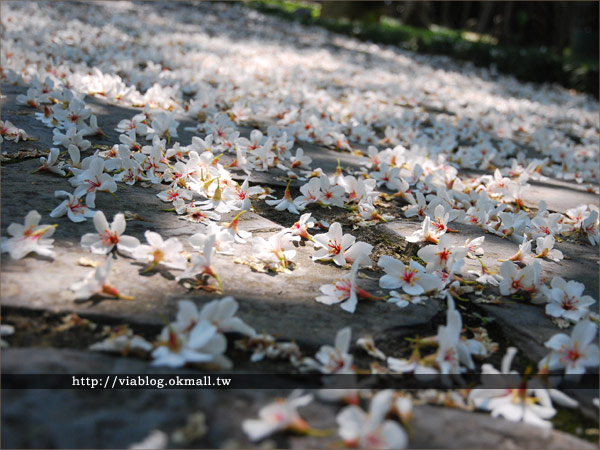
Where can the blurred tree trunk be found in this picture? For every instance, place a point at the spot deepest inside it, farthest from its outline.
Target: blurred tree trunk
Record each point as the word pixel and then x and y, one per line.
pixel 561 22
pixel 582 32
pixel 485 15
pixel 446 14
pixel 354 10
pixel 409 7
pixel 417 13
pixel 506 34
pixel 464 16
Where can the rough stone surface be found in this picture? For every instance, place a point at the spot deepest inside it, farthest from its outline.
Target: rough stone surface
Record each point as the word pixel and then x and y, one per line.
pixel 526 325
pixel 289 298
pixel 442 428
pixel 559 195
pixel 119 418
pixel 580 263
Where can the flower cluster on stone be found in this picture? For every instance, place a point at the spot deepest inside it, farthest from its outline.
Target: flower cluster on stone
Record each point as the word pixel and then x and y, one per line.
pixel 194 337
pixel 517 400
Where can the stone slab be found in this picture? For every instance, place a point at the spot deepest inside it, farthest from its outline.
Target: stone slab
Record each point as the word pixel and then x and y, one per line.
pixel 559 197
pixel 526 325
pixel 580 264
pixel 440 428
pixel 117 419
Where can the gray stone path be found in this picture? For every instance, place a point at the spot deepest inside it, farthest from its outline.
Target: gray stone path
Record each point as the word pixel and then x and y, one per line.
pixel 282 305
pixel 112 424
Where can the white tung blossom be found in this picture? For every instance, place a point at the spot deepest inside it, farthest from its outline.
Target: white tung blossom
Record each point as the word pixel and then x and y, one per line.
pixel 29 237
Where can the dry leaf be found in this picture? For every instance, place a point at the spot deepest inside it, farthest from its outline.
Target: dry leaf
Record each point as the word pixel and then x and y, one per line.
pixel 378 369
pixel 489 299
pixel 101 147
pixel 202 285
pixel 134 216
pixel 561 323
pixel 73 320
pixel 194 429
pixel 23 154
pixel 368 344
pixel 87 262
pixel 480 334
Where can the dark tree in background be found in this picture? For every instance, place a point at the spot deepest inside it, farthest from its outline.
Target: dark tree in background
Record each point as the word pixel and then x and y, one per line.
pixel 553 24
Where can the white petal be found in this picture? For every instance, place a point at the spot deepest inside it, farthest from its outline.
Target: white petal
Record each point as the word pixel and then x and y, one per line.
pixel 342 340
pixel 100 222
pixel 393 435
pixel 154 239
pixel 60 210
pixel 259 429
pixel 32 218
pixel 351 420
pixel 201 334
pixel 118 224
pixel 584 332
pixel 127 244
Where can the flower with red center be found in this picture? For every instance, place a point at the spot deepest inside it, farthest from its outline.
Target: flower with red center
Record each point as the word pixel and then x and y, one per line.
pixel 93 180
pixel 301 227
pixel 345 290
pixel 167 253
pixel 28 238
pixel 573 353
pixel 408 276
pixel 566 299
pixel 412 278
pixel 285 203
pixel 370 430
pixel 96 282
pixel 108 236
pixel 72 206
pixel 439 225
pixel 443 256
pixel 330 195
pixel 332 245
pixel 278 416
pixel 171 195
pixel 515 279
